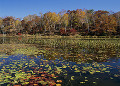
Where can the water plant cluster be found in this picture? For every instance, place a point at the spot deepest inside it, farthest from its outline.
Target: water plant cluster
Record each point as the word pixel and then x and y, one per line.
pixel 60 62
pixel 24 70
pixel 72 49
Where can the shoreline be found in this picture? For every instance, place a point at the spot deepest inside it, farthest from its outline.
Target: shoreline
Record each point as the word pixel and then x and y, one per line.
pixel 58 36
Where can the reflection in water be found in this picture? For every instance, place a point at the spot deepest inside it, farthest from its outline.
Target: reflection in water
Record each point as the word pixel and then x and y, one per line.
pixel 70 49
pixel 66 62
pixel 28 70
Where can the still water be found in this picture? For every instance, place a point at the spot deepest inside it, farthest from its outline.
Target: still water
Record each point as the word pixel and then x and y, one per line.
pixel 59 62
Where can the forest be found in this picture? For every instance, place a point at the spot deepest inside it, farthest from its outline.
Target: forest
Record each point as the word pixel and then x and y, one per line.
pixel 80 21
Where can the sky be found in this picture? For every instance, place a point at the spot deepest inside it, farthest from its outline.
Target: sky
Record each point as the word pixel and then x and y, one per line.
pixel 22 8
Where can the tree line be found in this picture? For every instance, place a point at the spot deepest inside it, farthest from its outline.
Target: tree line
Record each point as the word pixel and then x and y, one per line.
pixel 71 22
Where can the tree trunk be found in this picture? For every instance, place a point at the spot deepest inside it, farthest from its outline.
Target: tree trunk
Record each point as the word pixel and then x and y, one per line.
pixel 65 28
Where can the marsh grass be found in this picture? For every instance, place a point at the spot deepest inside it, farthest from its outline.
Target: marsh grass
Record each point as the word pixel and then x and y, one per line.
pixel 72 49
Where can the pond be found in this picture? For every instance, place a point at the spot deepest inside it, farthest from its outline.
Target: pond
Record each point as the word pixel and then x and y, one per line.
pixel 59 62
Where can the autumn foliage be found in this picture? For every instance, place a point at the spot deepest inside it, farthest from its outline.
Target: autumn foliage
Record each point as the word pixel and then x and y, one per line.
pixel 82 22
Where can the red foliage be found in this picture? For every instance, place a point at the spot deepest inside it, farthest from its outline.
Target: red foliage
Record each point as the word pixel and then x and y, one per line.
pixel 19 34
pixel 63 32
pixel 73 31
